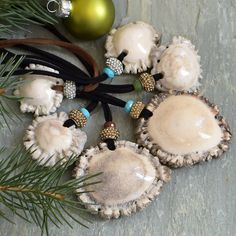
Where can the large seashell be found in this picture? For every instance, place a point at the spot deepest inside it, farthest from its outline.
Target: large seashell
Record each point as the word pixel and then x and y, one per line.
pixel 138 38
pixel 51 142
pixel 184 129
pixel 37 93
pixel 131 178
pixel 180 65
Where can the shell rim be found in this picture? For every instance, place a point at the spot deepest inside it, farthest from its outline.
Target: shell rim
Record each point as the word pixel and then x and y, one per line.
pixel 44 158
pixel 37 110
pixel 177 160
pixel 115 211
pixel 176 40
pixel 131 67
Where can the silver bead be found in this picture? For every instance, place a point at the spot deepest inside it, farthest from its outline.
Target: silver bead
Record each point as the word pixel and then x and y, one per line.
pixel 70 89
pixel 115 64
pixel 63 7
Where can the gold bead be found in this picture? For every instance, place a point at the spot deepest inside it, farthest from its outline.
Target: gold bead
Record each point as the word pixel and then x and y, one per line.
pixel 136 110
pixel 109 133
pixel 79 118
pixel 147 81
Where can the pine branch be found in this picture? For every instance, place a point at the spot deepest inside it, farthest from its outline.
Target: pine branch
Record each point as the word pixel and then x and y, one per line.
pixel 36 193
pixel 8 65
pixel 20 13
pixel 29 190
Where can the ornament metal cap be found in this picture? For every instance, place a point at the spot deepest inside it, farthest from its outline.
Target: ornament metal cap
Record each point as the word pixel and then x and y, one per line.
pixel 62 8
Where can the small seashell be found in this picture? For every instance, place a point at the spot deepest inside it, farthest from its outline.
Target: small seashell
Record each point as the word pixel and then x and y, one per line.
pixel 180 64
pixel 184 129
pixel 130 176
pixel 138 39
pixel 37 93
pixel 51 142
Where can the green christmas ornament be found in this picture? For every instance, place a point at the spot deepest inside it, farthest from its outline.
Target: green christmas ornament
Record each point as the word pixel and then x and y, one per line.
pixel 85 19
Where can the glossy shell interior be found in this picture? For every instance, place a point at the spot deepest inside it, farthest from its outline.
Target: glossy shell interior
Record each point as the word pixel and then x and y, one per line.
pixel 131 178
pixel 179 62
pixel 37 94
pixel 185 129
pixel 50 142
pixel 138 39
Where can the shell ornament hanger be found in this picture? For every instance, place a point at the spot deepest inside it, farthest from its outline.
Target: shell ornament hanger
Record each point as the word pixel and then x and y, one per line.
pixel 139 39
pixel 185 129
pixel 177 128
pixel 180 64
pixel 131 179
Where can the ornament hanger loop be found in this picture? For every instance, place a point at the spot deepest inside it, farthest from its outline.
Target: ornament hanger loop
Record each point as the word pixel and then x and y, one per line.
pixel 50 5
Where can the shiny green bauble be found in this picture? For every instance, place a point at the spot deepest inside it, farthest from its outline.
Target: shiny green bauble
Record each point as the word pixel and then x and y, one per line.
pixel 90 19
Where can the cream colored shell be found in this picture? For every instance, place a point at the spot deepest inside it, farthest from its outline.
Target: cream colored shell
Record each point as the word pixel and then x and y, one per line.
pixel 184 129
pixel 138 38
pixel 131 178
pixel 180 64
pixel 37 93
pixel 50 142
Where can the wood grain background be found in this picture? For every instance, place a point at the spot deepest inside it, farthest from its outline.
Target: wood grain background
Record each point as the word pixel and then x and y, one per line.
pixel 200 201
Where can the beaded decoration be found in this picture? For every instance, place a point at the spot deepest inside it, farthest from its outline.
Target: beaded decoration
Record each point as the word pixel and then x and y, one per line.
pixel 177 128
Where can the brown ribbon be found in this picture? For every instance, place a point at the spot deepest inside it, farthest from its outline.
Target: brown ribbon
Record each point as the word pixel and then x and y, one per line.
pixel 69 46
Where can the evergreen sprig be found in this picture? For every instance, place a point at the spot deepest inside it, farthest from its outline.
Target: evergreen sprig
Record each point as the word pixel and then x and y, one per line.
pixel 32 192
pixel 8 82
pixel 20 13
pixel 38 194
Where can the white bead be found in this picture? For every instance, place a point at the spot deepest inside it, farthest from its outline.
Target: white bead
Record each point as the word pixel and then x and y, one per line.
pixel 115 64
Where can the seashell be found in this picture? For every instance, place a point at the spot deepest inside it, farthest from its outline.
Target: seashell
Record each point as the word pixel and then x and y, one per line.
pixel 50 142
pixel 185 129
pixel 138 38
pixel 37 93
pixel 180 64
pixel 131 178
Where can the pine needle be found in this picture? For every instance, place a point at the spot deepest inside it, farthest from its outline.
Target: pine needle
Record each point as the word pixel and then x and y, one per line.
pixel 24 193
pixel 8 65
pixel 17 14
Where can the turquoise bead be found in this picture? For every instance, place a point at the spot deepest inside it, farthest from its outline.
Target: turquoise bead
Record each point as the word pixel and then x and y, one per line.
pixel 128 106
pixel 85 112
pixel 109 72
